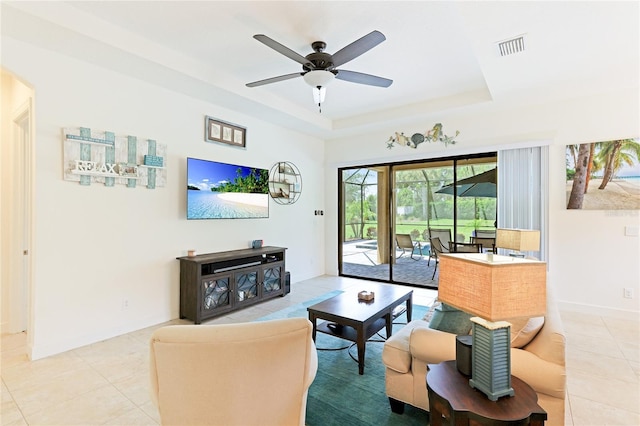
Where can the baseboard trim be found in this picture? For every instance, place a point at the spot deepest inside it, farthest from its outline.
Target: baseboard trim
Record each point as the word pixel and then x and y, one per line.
pixel 40 350
pixel 600 310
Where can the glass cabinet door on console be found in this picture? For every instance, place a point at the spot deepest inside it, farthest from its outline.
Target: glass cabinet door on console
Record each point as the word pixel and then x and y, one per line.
pixel 215 293
pixel 246 287
pixel 273 279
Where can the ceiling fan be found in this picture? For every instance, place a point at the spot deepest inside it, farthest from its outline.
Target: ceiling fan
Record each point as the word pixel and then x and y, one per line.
pixel 319 67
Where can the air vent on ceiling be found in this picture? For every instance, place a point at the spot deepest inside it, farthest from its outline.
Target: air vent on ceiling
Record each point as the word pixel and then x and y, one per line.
pixel 511 46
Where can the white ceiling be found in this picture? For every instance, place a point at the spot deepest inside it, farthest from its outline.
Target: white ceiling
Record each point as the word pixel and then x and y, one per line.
pixel 440 55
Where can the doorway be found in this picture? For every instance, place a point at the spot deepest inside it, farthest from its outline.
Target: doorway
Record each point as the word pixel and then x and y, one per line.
pixel 364 196
pixel 16 203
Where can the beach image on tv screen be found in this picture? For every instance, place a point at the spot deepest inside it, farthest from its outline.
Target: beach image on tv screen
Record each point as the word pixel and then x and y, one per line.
pixel 226 191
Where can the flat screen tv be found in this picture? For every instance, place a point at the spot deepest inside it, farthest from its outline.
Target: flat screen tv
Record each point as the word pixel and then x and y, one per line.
pixel 226 191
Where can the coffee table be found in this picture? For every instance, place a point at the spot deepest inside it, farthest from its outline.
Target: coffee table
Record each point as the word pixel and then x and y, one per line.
pixel 356 320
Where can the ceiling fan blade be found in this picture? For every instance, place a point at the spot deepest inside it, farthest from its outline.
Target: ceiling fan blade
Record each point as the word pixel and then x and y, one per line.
pixel 275 79
pixel 358 77
pixel 357 48
pixel 284 50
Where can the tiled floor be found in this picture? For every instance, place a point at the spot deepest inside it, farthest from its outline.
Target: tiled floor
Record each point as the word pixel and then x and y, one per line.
pixel 107 382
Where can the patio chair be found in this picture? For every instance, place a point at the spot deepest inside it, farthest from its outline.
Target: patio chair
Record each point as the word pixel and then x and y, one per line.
pixel 436 249
pixel 485 234
pixel 464 247
pixel 444 236
pixel 488 244
pixel 405 242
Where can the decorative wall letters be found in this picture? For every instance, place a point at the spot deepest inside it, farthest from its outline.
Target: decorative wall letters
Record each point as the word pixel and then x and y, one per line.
pixel 94 156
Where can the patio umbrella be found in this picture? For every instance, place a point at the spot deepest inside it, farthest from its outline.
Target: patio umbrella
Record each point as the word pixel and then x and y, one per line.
pixel 480 185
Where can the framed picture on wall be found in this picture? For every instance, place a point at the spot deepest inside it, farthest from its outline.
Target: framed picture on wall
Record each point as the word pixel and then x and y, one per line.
pixel 603 175
pixel 223 132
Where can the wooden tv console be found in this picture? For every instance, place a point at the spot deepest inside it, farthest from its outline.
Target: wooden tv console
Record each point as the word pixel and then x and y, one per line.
pixel 213 284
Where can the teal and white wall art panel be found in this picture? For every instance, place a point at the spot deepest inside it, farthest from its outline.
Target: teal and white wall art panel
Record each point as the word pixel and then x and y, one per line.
pixel 97 156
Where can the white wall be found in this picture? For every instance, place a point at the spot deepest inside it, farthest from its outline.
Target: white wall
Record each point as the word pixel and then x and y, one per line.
pixel 590 258
pixel 95 246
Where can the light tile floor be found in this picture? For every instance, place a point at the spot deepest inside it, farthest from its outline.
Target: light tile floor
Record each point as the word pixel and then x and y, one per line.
pixel 107 382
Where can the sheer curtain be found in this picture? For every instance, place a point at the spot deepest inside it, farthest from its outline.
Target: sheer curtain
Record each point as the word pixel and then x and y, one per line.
pixel 523 191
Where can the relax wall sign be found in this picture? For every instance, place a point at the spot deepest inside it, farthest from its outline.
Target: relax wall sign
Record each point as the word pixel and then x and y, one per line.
pixel 109 169
pixel 95 156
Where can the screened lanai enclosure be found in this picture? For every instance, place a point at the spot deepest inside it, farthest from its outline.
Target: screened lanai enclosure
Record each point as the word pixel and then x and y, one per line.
pixel 387 212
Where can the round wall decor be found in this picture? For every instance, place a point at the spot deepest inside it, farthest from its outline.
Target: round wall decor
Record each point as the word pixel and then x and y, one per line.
pixel 285 183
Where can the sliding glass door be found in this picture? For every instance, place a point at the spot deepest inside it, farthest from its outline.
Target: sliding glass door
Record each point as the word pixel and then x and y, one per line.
pixel 417 208
pixel 387 213
pixel 476 194
pixel 364 222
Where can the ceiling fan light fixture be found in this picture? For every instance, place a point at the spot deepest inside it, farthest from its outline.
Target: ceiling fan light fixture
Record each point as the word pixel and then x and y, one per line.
pixel 317 78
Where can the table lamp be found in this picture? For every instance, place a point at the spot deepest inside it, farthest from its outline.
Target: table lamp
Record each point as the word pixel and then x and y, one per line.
pixel 518 239
pixel 495 288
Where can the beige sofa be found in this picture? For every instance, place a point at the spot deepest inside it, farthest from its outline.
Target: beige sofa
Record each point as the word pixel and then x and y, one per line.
pixel 541 363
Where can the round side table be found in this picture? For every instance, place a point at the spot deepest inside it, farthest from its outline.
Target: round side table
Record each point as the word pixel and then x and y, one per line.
pixel 451 396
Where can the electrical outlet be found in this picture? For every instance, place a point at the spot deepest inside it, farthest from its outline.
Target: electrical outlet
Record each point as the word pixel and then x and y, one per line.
pixel 628 293
pixel 125 304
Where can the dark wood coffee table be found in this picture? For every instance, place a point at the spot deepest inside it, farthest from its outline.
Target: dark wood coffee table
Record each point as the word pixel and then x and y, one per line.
pixel 358 320
pixel 451 396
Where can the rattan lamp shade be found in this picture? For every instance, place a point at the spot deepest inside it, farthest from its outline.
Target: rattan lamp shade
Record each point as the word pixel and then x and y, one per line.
pixel 493 287
pixel 518 239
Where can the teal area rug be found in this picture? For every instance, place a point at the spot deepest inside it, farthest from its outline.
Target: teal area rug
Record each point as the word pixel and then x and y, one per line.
pixel 339 396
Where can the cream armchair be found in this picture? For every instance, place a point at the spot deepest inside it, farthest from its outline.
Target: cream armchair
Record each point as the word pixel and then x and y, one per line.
pixel 540 363
pixel 233 374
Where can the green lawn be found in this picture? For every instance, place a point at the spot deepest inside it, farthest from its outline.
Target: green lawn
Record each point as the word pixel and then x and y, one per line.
pixel 465 227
